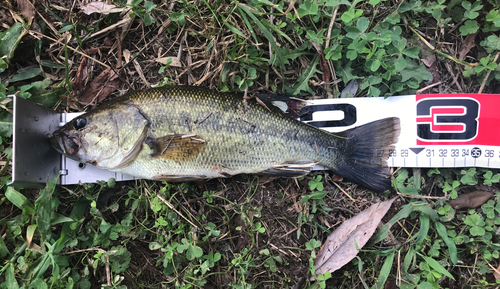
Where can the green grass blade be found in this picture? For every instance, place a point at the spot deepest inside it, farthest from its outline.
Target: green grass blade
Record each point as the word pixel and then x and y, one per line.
pixel 5 124
pixel 10 277
pixel 452 248
pixel 30 73
pixel 384 231
pixel 267 34
pixel 436 266
pixel 249 26
pixel 426 209
pixel 385 271
pixel 302 83
pixel 408 258
pixel 55 270
pixel 235 30
pixel 424 228
pixel 42 266
pixel 10 39
pixel 44 209
pixel 30 232
pixel 66 66
pixel 57 218
pixel 19 200
pixel 275 29
pixel 4 251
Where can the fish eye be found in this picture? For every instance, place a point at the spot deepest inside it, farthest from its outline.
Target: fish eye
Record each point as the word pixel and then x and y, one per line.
pixel 80 123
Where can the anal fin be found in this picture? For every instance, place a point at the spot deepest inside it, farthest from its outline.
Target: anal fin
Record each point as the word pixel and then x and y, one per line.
pixel 177 147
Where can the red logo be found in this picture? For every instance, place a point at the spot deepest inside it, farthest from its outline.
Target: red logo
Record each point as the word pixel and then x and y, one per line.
pixel 444 119
pixel 443 127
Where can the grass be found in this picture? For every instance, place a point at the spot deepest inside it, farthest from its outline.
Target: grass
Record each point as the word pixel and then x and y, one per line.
pixel 247 231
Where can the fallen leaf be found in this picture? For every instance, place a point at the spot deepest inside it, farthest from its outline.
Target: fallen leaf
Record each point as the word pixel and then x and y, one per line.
pixel 340 246
pixel 471 200
pixel 350 89
pixel 467 45
pixel 431 65
pixel 5 18
pixel 81 77
pixel 126 55
pixel 139 71
pixel 175 62
pixel 429 60
pixel 104 84
pixel 496 272
pixel 100 7
pixel 337 178
pixel 27 9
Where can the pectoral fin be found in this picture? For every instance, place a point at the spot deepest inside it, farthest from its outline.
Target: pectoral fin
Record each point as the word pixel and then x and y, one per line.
pixel 177 147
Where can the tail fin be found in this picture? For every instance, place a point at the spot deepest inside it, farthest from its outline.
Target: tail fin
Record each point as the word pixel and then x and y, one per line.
pixel 367 148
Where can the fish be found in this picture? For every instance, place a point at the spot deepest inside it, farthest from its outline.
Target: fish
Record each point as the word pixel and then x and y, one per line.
pixel 186 133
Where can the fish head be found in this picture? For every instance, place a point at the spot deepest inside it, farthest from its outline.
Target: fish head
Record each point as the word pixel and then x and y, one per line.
pixel 109 138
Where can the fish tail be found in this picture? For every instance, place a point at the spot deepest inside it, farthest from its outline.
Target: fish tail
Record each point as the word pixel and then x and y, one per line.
pixel 362 154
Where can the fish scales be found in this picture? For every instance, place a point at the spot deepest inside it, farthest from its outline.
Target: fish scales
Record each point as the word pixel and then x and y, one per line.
pixel 188 133
pixel 238 141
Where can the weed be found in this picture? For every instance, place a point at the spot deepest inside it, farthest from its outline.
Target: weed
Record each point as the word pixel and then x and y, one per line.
pixel 186 233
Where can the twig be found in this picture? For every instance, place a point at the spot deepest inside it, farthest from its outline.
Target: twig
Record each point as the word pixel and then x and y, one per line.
pixel 487 74
pixel 69 47
pixel 185 200
pixel 330 27
pixel 493 268
pixel 205 118
pixel 455 78
pixel 343 190
pixel 441 53
pixel 427 87
pixel 4 102
pixel 398 275
pixel 404 229
pixel 106 256
pixel 419 196
pixel 172 208
pixel 327 44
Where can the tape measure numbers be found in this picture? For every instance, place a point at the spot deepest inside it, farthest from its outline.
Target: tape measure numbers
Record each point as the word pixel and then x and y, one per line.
pixel 437 130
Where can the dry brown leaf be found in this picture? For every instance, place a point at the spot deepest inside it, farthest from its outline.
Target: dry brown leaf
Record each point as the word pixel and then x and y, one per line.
pixel 81 77
pixel 100 7
pixel 431 66
pixel 471 200
pixel 468 44
pixel 175 62
pixel 104 84
pixel 6 20
pixel 27 9
pixel 337 178
pixel 139 71
pixel 340 247
pixel 496 273
pixel 126 55
pixel 429 60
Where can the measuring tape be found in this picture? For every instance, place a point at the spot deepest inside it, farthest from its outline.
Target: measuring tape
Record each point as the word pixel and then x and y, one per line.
pixel 437 130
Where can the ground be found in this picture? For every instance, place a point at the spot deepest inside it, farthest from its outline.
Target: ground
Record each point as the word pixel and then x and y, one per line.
pixel 246 231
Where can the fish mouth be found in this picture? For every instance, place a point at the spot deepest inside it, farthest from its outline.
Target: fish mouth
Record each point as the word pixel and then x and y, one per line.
pixel 66 144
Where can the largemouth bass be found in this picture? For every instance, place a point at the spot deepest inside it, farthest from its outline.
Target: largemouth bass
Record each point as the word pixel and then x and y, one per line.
pixel 184 133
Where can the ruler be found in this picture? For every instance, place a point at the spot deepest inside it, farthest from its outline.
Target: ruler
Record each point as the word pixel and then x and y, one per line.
pixel 437 130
